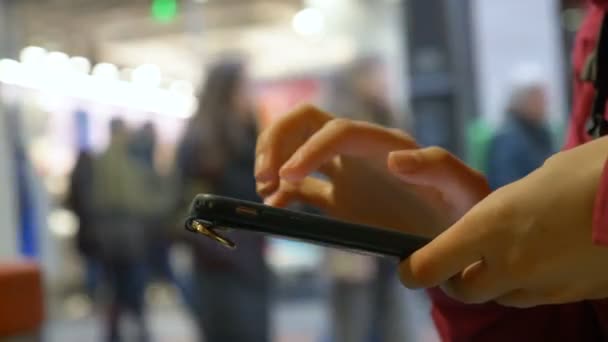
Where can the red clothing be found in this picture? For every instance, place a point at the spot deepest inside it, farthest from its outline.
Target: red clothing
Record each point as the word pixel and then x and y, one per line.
pixel 583 321
pixel 583 97
pixel 586 42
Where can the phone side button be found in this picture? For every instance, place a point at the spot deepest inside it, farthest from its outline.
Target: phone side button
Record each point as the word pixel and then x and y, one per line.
pixel 247 211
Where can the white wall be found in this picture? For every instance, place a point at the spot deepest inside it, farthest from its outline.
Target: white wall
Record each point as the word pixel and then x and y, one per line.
pixel 508 33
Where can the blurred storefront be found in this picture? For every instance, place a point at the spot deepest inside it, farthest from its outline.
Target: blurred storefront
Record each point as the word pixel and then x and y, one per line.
pixel 80 63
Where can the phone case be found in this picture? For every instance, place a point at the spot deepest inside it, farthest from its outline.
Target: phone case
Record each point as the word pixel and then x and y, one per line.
pixel 210 214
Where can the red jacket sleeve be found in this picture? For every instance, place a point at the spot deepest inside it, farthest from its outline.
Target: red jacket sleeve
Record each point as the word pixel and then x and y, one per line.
pixel 458 322
pixel 583 97
pixel 600 3
pixel 584 92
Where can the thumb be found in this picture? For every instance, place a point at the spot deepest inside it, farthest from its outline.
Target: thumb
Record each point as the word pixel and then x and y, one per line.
pixel 447 255
pixel 437 168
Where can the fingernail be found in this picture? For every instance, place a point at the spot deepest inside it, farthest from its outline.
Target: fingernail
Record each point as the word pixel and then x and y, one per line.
pixel 262 173
pixel 289 174
pixel 473 270
pixel 407 163
pixel 288 171
pixel 271 200
pixel 264 188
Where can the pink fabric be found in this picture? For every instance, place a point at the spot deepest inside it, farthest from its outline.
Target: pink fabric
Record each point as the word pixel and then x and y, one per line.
pixel 583 99
pixel 584 92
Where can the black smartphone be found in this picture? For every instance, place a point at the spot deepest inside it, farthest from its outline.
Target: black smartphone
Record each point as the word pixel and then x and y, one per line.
pixel 210 214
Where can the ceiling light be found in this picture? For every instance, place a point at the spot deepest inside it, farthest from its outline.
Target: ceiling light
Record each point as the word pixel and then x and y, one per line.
pixel 147 75
pixel 308 22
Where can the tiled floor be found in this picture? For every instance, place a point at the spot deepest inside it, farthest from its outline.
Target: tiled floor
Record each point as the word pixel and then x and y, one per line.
pixel 292 322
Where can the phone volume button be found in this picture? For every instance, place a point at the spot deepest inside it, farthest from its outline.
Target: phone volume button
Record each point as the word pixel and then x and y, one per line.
pixel 247 211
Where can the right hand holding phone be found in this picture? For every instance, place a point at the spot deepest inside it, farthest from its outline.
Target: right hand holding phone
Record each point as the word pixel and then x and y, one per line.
pixel 374 175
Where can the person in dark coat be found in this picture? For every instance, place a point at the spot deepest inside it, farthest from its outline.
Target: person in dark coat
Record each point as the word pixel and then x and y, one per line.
pixel 217 155
pixel 161 189
pixel 523 142
pixel 121 203
pixel 79 201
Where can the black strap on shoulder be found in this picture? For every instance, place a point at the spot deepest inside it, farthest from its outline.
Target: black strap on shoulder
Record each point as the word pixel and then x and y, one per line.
pixel 599 125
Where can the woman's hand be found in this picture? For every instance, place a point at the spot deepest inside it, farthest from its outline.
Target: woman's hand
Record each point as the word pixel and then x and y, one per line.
pixel 528 243
pixel 372 175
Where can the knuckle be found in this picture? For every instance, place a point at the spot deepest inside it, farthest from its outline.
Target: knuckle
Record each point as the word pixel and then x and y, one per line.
pixel 310 110
pixel 306 109
pixel 265 189
pixel 401 135
pixel 397 131
pixel 361 126
pixel 480 179
pixel 439 154
pixel 302 113
pixel 295 120
pixel 339 125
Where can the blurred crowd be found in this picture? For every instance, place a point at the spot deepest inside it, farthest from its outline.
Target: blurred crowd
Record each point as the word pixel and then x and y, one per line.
pixel 129 216
pixel 130 213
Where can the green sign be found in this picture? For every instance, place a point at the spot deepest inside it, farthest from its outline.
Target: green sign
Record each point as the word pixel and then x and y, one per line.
pixel 164 11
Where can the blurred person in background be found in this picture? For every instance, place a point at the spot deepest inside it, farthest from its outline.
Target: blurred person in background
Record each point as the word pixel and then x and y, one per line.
pixel 524 140
pixel 365 289
pixel 161 193
pixel 351 295
pixel 142 146
pixel 120 205
pixel 217 155
pixel 79 200
pixel 359 92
